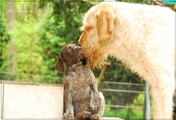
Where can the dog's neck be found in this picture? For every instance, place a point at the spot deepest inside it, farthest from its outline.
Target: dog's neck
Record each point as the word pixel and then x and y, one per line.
pixel 72 67
pixel 76 64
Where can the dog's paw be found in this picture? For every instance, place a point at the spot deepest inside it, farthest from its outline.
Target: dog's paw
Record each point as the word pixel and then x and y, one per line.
pixel 68 116
pixel 95 117
pixel 83 115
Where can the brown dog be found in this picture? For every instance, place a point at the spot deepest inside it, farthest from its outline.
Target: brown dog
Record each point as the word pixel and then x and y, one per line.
pixel 81 97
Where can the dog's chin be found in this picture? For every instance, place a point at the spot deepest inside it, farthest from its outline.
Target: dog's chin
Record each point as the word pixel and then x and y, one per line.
pixel 95 57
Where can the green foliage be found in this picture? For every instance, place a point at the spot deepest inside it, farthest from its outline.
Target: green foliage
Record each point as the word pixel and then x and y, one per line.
pixel 4 38
pixel 138 1
pixel 135 113
pixel 61 26
pixel 123 113
pixel 25 40
pixel 39 41
pixel 24 34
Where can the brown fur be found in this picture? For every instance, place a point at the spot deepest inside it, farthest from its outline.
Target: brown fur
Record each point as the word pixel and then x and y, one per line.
pixel 81 96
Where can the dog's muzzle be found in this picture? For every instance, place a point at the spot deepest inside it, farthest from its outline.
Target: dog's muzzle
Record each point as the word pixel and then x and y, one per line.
pixel 81 51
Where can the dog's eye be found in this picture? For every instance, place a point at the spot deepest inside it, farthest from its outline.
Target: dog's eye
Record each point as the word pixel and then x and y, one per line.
pixel 68 48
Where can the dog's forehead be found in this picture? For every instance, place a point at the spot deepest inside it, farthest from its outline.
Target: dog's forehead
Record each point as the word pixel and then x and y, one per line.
pixel 69 45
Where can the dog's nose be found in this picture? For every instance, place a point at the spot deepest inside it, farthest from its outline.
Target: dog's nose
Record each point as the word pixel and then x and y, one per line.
pixel 78 48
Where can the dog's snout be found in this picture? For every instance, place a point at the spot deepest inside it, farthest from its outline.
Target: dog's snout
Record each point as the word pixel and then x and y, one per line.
pixel 78 48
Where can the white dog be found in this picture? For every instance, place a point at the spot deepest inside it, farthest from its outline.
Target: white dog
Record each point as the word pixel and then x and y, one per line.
pixel 141 35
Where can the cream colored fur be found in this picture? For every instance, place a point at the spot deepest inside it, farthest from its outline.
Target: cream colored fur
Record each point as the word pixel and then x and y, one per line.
pixel 141 35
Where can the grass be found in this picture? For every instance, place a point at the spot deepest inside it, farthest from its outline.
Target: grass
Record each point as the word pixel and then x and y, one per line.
pixel 123 113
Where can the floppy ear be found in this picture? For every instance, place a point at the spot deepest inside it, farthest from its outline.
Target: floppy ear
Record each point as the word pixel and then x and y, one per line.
pixel 105 24
pixel 60 64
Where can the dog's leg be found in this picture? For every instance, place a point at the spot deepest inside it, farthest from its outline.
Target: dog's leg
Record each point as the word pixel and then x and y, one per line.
pixel 162 93
pixel 94 96
pixel 99 112
pixel 101 104
pixel 69 114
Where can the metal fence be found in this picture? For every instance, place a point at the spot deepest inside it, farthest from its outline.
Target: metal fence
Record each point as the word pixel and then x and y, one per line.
pixel 121 95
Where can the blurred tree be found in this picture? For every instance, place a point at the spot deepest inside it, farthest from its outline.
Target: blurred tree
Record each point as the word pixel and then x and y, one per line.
pixel 23 18
pixel 62 27
pixel 25 39
pixel 4 39
pixel 138 1
pixel 12 52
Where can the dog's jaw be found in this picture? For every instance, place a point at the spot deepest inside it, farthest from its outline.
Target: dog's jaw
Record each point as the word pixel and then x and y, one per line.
pixel 94 53
pixel 95 56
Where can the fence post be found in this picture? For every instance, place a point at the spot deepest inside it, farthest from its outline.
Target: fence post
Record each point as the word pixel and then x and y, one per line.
pixel 146 111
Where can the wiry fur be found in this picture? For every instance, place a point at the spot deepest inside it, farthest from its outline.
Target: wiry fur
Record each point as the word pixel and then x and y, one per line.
pixel 141 35
pixel 81 96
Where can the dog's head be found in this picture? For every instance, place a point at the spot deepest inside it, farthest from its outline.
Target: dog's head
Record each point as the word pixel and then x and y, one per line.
pixel 70 54
pixel 98 25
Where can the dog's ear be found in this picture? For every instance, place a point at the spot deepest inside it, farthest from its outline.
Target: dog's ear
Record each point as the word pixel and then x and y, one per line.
pixel 60 64
pixel 105 24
